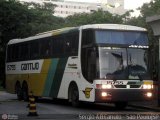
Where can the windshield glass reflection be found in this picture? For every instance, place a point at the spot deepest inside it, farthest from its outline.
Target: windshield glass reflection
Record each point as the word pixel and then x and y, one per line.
pixel 137 64
pixel 122 63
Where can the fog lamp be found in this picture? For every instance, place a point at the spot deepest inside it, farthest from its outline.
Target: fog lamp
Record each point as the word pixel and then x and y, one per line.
pixel 149 94
pixel 104 94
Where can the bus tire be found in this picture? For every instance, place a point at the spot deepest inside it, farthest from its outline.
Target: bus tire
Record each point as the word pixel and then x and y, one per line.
pixel 74 95
pixel 18 91
pixel 121 105
pixel 25 91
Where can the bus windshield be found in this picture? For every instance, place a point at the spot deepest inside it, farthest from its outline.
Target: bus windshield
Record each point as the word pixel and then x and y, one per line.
pixel 121 37
pixel 122 63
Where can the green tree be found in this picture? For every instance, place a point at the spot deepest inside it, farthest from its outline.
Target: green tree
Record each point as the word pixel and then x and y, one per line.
pixel 21 20
pixel 96 17
pixel 149 9
pixel 13 23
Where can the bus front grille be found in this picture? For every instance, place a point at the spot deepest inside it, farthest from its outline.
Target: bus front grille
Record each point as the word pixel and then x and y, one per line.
pixel 125 86
pixel 120 86
pixel 135 86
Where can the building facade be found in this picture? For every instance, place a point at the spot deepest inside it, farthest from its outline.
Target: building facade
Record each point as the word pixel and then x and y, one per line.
pixel 66 8
pixel 114 6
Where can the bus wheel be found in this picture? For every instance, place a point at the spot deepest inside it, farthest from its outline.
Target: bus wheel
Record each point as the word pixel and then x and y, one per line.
pixel 121 105
pixel 25 91
pixel 18 91
pixel 75 97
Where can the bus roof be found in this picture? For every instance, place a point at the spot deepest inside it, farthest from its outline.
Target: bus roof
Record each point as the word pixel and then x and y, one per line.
pixel 43 35
pixel 113 27
pixel 68 29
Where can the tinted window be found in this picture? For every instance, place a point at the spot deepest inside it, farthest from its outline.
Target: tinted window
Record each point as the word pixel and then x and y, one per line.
pixel 24 51
pixel 34 49
pixel 71 44
pixel 58 46
pixel 14 52
pixel 62 45
pixel 121 37
pixel 87 37
pixel 45 47
pixel 65 45
pixel 75 44
pixel 9 53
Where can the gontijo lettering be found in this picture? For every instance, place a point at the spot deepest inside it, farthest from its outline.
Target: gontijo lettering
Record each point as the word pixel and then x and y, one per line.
pixel 30 66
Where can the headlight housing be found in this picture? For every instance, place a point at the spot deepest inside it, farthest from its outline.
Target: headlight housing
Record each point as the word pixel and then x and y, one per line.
pixel 104 86
pixel 147 86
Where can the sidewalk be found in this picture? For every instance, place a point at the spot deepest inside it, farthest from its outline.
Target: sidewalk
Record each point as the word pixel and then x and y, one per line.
pixel 151 105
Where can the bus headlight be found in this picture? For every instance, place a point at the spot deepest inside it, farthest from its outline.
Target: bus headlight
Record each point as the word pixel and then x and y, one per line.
pixel 106 86
pixel 104 94
pixel 147 86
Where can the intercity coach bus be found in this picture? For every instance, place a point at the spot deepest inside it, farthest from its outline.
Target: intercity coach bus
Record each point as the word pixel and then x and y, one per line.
pixel 96 63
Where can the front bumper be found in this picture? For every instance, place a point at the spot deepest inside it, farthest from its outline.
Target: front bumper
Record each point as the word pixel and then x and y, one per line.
pixel 122 95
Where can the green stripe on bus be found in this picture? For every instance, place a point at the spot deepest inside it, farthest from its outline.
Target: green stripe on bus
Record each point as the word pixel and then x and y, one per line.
pixel 58 77
pixel 50 76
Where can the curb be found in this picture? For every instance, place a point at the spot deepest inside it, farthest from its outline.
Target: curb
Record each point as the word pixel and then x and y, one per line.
pixel 145 107
pixel 3 101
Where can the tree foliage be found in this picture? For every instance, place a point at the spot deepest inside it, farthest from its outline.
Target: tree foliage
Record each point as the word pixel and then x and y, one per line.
pixel 94 18
pixel 21 20
pixel 149 9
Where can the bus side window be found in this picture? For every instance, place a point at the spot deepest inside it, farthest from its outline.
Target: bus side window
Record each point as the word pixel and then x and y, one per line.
pixel 15 53
pixel 58 46
pixel 75 43
pixel 91 65
pixel 87 37
pixel 54 47
pixel 25 51
pixel 68 45
pixel 45 47
pixel 71 44
pixel 61 46
pixel 34 50
pixel 9 53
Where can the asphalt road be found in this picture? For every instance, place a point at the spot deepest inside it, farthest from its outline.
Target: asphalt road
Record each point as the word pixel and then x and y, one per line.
pixel 46 108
